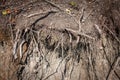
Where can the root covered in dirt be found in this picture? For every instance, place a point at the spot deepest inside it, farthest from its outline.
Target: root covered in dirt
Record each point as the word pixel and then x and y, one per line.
pixel 53 41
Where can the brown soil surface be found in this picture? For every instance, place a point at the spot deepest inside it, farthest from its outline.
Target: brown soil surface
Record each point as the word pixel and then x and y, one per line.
pixel 60 40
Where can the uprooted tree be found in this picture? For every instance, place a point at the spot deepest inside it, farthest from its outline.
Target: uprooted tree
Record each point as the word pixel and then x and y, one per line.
pixel 55 41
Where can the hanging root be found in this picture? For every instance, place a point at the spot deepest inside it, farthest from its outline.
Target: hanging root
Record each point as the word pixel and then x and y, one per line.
pixel 21 48
pixel 15 46
pixel 79 33
pixel 15 50
pixel 20 40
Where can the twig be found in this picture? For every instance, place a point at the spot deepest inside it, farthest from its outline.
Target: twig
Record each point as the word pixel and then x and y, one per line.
pixel 117 75
pixel 70 38
pixel 11 30
pixel 98 29
pixel 83 20
pixel 71 70
pixel 47 14
pixel 112 33
pixel 54 5
pixel 38 13
pixel 79 22
pixel 79 33
pixel 82 15
pixel 62 46
pixel 112 66
pixel 56 46
pixel 54 71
